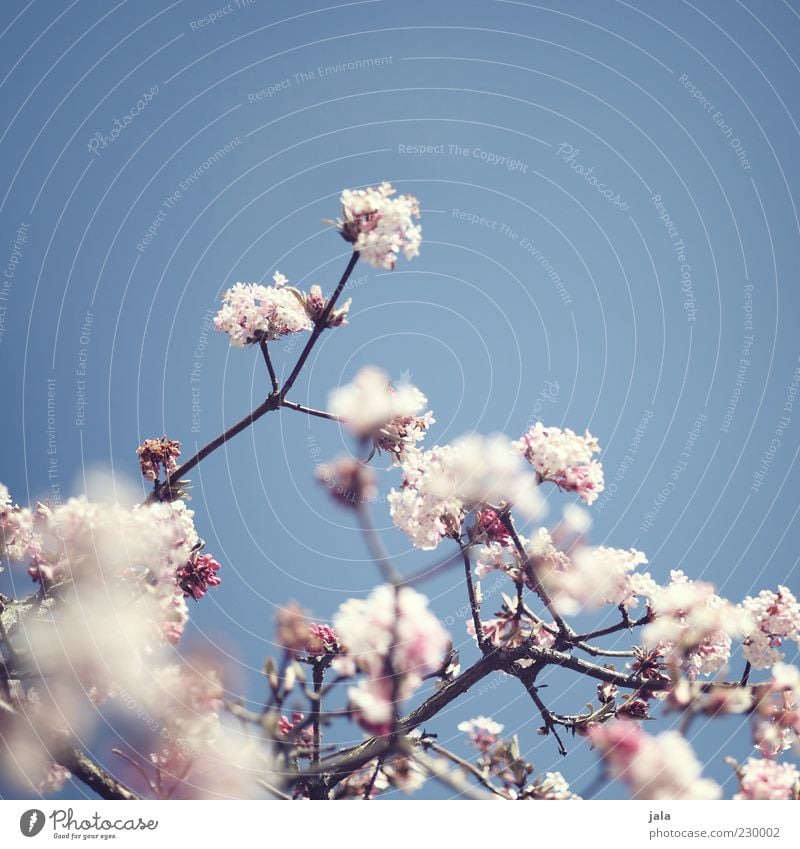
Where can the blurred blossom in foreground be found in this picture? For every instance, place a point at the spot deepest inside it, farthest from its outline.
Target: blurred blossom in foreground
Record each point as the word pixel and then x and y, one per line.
pixel 372 408
pixel 441 485
pixel 389 630
pixel 659 768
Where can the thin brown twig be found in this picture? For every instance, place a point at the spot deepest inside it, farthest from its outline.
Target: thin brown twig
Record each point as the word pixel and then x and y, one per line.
pixel 529 682
pixel 264 345
pixel 473 770
pixel 309 411
pixel 319 325
pixel 564 630
pixel 375 545
pixel 483 644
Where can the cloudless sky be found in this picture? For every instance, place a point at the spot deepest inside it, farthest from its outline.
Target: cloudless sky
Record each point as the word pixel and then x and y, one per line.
pixel 655 305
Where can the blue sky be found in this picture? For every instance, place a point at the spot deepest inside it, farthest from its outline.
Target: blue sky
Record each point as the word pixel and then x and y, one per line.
pixel 610 240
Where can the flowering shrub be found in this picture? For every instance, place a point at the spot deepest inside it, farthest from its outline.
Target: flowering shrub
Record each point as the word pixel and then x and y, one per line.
pixel 102 628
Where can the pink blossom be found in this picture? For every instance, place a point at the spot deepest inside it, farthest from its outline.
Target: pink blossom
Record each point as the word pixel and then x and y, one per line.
pixel 511 629
pixel 661 767
pixel 771 619
pixel 349 481
pixel 157 454
pixel 482 731
pixel 390 629
pixel 380 226
pixel 489 525
pixel 777 716
pixel 251 312
pixel 551 787
pixel 322 639
pixel 564 458
pixel 441 485
pixel 760 778
pixel 287 727
pixel 692 625
pixel 17 540
pixel 591 576
pixel 498 557
pixel 197 575
pixel 374 409
pixel 315 304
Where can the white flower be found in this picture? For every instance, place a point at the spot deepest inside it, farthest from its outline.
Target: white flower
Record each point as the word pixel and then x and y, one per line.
pixel 392 627
pixel 771 618
pixel 564 458
pixel 374 409
pixel 251 312
pixel 692 624
pixel 441 485
pixel 380 226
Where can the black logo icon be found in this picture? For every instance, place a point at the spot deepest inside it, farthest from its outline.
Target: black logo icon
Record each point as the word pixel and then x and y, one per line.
pixel 31 822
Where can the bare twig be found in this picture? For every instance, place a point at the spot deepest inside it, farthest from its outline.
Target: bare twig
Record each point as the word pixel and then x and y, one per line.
pixel 264 345
pixel 278 794
pixel 94 776
pixel 309 411
pixel 319 325
pixel 483 644
pixel 375 545
pixel 454 779
pixel 473 770
pixel 625 625
pixel 529 682
pixel 746 674
pixel 564 630
pixel 318 674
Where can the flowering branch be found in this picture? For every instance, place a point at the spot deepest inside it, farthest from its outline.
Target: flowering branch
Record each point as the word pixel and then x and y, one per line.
pixel 320 325
pixel 385 646
pixel 94 776
pixel 321 414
